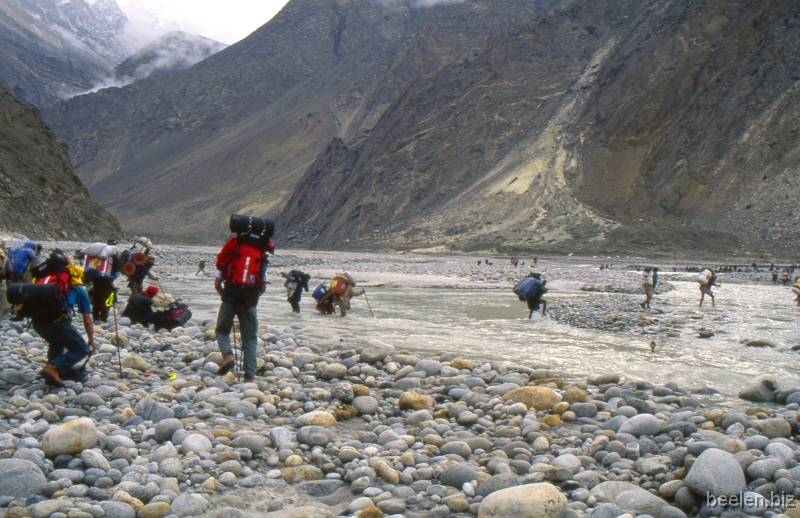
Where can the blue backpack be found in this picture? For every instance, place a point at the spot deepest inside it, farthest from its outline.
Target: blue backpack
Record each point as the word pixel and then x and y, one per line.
pixel 527 288
pixel 20 257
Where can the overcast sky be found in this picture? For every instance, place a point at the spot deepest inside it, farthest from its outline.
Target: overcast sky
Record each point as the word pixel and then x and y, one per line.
pixel 227 21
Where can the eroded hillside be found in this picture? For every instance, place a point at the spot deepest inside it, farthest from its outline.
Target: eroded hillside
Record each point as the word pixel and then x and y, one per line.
pixel 40 195
pixel 603 126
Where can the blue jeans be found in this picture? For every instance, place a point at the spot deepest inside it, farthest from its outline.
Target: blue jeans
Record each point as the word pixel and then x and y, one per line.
pixel 248 325
pixel 61 336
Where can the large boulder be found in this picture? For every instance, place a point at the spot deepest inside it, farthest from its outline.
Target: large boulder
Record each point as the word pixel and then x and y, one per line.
pixel 316 418
pixel 20 478
pixel 642 424
pixel 375 351
pixel 761 391
pixel 70 438
pixel 540 398
pixel 772 428
pixel 716 472
pixel 529 501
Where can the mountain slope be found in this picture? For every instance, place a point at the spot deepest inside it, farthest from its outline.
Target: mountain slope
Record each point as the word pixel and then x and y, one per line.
pixel 40 195
pixel 605 126
pixel 51 48
pixel 172 52
pixel 173 155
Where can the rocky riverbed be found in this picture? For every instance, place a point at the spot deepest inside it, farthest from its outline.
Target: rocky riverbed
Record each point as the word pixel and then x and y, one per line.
pixel 369 431
pixel 351 424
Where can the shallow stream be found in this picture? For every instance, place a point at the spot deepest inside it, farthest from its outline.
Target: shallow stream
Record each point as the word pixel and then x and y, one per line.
pixel 492 325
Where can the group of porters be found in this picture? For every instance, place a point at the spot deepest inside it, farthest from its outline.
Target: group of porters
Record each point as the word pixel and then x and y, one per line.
pixel 56 285
pixel 47 291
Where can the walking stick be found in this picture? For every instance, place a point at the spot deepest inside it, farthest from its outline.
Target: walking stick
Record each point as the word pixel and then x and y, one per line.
pixel 110 302
pixel 370 307
pixel 235 352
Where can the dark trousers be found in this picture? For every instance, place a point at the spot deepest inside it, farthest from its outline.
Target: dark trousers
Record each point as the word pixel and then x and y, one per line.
pixel 294 300
pixel 102 288
pixel 248 327
pixel 61 336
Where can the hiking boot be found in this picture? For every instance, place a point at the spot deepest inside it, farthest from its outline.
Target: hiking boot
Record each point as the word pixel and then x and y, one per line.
pixel 247 379
pixel 50 373
pixel 228 362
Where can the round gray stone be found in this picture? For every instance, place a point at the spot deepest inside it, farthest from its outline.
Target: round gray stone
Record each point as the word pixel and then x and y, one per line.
pixel 716 472
pixel 366 405
pixel 20 478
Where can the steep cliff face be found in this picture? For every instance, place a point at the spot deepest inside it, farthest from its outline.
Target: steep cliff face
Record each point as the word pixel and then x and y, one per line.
pixel 174 155
pixel 49 48
pixel 604 126
pixel 40 195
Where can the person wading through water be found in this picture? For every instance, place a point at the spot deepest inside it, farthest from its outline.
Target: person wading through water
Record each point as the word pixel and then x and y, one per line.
pixel 649 283
pixel 201 267
pixel 343 288
pixel 296 282
pixel 707 279
pixel 240 280
pixel 48 304
pixel 532 290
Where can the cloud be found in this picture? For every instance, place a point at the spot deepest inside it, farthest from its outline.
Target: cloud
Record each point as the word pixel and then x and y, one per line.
pixel 228 21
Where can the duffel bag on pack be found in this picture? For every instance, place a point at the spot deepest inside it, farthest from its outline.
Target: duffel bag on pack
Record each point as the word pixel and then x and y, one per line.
pixel 255 227
pixel 43 301
pixel 339 286
pixel 527 288
pixel 99 250
pixel 705 277
pixel 320 292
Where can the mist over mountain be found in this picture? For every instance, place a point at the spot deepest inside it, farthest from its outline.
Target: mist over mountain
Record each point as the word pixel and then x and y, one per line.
pixel 172 52
pixel 50 48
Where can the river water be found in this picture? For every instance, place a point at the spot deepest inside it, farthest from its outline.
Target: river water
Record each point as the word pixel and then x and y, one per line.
pixel 491 325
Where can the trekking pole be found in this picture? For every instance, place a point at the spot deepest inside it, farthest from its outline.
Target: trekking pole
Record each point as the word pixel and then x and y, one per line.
pixel 236 353
pixel 110 302
pixel 370 307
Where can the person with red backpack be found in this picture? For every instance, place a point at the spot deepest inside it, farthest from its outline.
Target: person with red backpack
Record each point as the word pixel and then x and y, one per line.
pixel 240 280
pixel 49 310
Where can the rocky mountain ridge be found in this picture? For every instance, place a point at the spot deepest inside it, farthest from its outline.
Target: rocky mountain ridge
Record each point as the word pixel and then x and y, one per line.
pixel 49 48
pixel 40 195
pixel 174 156
pixel 605 126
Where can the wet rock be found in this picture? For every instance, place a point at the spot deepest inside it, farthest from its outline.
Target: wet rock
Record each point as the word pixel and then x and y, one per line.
pixel 716 472
pixel 759 391
pixel 530 501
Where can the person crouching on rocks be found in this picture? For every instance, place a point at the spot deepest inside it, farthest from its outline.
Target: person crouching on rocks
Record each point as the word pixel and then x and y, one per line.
pixel 140 307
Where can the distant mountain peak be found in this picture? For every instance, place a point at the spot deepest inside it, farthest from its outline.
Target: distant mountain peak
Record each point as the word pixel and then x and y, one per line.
pixel 174 51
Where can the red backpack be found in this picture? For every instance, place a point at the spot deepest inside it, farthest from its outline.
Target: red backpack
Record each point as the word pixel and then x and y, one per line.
pixel 241 263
